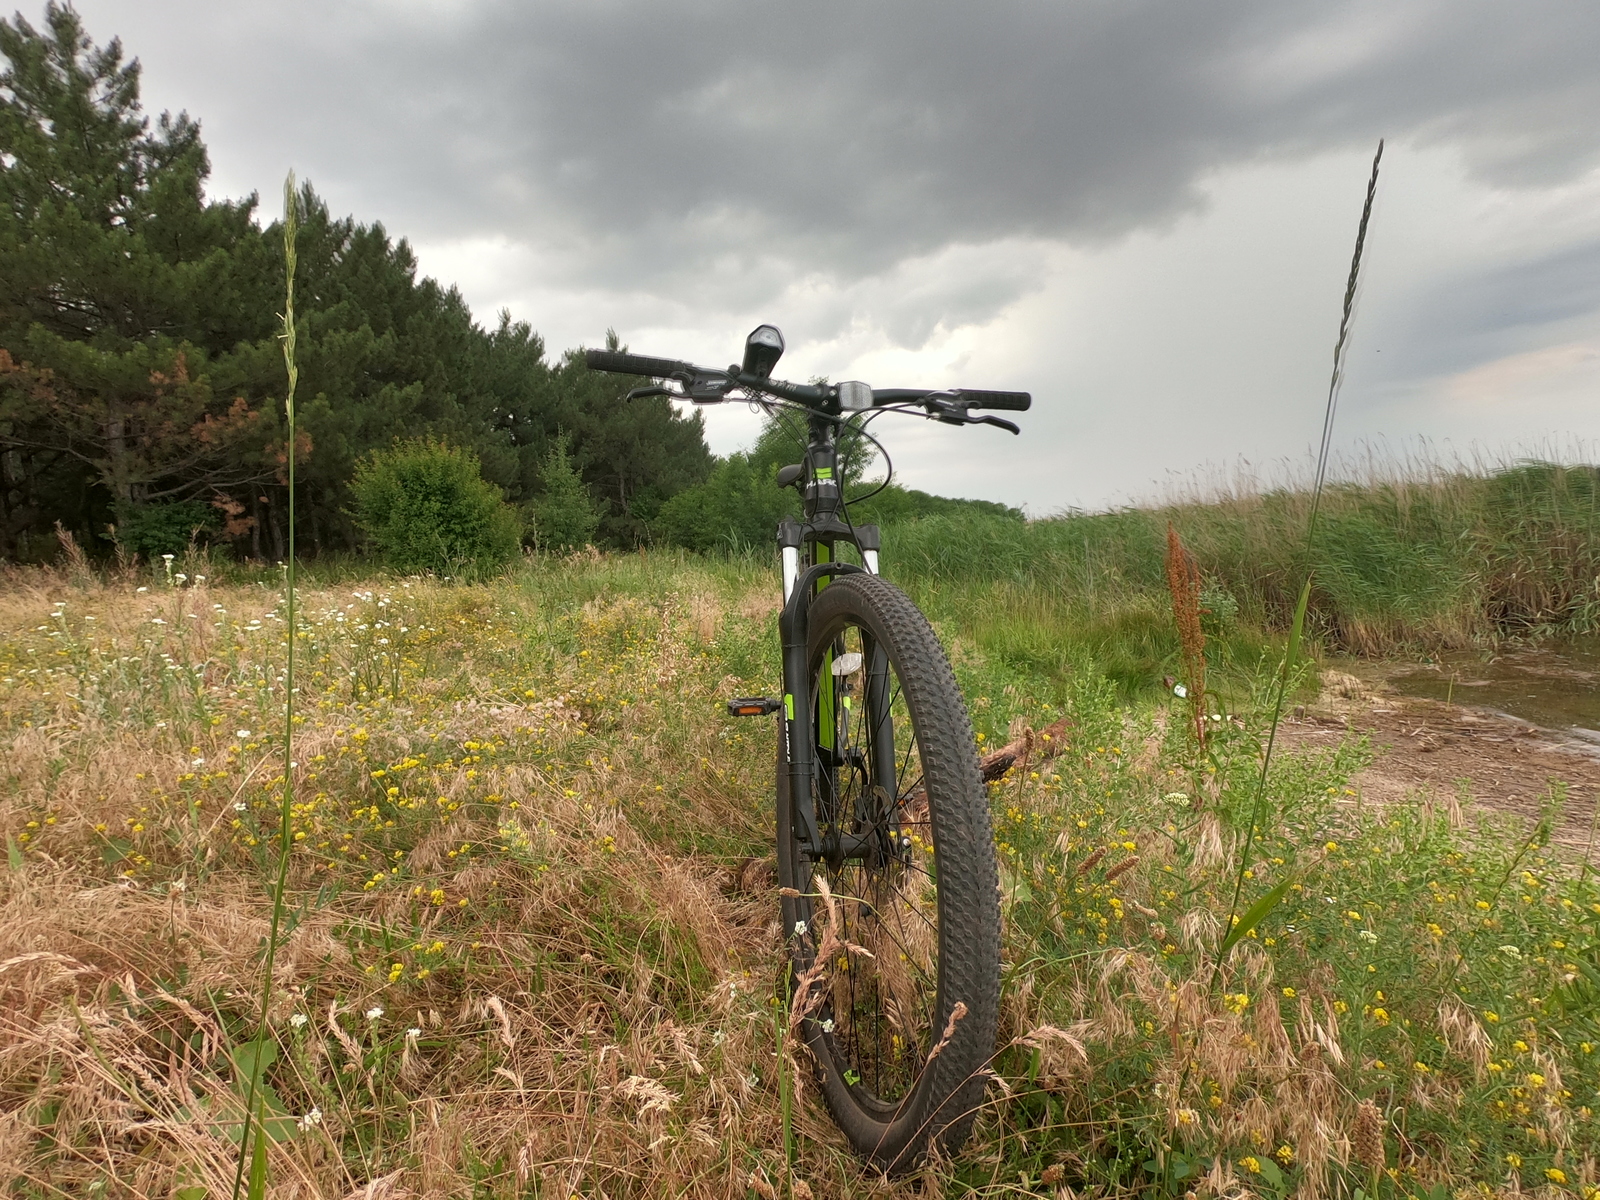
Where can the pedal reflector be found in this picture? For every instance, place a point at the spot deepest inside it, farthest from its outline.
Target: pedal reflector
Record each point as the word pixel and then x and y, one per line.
pixel 753 706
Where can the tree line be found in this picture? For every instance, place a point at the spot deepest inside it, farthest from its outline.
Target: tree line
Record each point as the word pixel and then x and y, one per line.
pixel 141 381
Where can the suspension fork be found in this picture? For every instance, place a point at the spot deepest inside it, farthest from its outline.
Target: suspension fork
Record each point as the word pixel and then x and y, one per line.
pixel 800 749
pixel 884 786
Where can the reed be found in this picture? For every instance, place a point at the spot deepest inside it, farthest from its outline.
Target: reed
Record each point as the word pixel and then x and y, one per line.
pixel 1234 927
pixel 1450 556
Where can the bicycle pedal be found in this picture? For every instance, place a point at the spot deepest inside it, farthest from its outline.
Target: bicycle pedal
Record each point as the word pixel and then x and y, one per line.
pixel 753 706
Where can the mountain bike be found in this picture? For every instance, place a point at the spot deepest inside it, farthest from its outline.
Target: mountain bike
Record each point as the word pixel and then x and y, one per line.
pixel 886 867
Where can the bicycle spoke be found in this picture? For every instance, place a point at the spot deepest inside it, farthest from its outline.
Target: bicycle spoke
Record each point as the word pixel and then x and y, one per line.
pixel 882 1005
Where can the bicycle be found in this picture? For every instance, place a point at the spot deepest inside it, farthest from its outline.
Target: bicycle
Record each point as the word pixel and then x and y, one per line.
pixel 887 878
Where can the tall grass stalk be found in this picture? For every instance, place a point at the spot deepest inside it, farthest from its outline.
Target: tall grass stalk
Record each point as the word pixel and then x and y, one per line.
pixel 253 1144
pixel 1233 929
pixel 1235 926
pixel 781 1028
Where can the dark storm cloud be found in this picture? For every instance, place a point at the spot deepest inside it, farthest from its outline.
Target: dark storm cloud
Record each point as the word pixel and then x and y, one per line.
pixel 884 162
pixel 735 139
pixel 1462 320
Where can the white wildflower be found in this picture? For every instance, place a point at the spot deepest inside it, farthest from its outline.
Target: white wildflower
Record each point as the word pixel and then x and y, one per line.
pixel 1511 951
pixel 298 1020
pixel 312 1118
pixel 374 1012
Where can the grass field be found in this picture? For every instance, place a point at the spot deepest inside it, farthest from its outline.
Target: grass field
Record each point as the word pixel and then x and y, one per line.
pixel 1417 559
pixel 528 953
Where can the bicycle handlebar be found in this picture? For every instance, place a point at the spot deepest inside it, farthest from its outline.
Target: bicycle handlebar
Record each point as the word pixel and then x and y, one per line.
pixel 635 364
pixel 972 397
pixel 810 395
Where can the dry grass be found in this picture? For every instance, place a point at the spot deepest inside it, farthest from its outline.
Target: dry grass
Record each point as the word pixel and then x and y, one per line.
pixel 516 837
pixel 531 951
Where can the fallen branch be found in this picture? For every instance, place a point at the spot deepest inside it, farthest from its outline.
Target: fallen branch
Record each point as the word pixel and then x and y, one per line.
pixel 1039 746
pixel 1036 747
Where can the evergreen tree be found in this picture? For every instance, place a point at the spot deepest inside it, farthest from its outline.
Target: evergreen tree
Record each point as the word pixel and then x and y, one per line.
pixel 138 361
pixel 562 515
pixel 114 275
pixel 633 454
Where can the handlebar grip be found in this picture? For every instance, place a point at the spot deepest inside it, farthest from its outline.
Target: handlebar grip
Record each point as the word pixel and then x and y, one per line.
pixel 633 364
pixel 1015 401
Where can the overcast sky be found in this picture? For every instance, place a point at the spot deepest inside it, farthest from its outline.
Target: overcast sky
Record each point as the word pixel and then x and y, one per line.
pixel 1141 212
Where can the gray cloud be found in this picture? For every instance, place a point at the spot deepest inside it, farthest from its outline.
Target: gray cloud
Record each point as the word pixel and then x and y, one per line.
pixel 852 136
pixel 1154 199
pixel 714 146
pixel 1470 316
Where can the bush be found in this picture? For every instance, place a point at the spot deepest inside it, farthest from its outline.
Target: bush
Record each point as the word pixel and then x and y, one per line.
pixel 424 506
pixel 737 509
pixel 152 530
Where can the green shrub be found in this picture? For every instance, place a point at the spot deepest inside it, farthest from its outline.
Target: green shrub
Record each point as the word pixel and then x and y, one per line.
pixel 735 510
pixel 152 530
pixel 424 506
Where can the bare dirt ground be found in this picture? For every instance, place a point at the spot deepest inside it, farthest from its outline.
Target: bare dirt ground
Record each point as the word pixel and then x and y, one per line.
pixel 1432 751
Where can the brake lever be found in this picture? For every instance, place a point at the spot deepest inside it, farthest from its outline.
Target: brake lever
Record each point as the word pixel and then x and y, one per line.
pixel 654 389
pixel 998 422
pixel 955 412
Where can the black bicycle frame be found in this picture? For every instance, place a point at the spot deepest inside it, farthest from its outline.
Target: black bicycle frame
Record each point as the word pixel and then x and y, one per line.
pixel 811 544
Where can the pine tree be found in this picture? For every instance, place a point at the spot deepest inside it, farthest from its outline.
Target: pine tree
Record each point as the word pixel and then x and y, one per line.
pixel 138 360
pixel 115 274
pixel 105 233
pixel 563 514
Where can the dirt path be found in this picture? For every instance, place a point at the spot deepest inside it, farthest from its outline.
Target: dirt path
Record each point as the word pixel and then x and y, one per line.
pixel 1426 748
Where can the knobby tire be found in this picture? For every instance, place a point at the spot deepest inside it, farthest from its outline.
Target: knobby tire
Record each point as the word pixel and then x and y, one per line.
pixel 901 1035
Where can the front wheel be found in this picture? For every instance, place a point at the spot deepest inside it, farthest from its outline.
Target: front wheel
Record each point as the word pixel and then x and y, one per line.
pixel 893 928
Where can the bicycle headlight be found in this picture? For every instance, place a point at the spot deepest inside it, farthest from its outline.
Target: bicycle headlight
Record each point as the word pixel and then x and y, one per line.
pixel 762 350
pixel 854 396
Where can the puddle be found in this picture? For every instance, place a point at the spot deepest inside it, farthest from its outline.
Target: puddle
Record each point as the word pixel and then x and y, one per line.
pixel 1555 686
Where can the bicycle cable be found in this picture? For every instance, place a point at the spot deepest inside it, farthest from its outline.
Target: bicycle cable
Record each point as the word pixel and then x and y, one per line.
pixel 780 409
